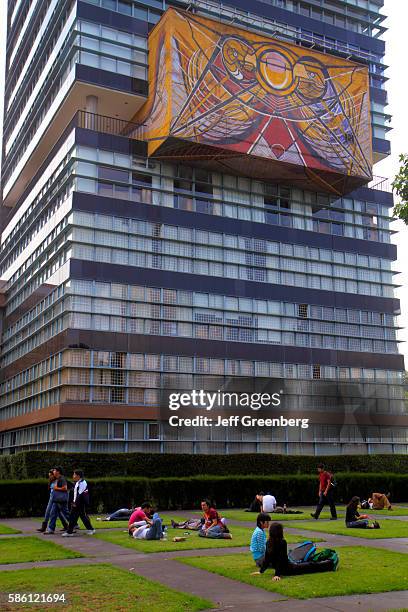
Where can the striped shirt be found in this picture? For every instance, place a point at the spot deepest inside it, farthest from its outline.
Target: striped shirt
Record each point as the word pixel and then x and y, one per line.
pixel 258 543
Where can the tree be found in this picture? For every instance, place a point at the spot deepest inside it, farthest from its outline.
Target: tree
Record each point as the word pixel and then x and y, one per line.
pixel 400 186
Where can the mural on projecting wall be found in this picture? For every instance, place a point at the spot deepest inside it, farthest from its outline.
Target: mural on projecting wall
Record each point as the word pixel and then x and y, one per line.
pixel 222 86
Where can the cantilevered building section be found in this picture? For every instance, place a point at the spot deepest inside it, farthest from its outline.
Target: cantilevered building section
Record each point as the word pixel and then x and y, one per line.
pixel 188 199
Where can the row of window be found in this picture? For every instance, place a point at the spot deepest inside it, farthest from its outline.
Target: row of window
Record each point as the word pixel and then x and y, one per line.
pixel 84 435
pixel 82 358
pixel 201 182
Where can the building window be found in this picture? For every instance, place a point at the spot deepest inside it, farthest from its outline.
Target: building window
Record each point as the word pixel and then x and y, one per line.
pixel 153 431
pixel 303 311
pixel 118 432
pixel 316 372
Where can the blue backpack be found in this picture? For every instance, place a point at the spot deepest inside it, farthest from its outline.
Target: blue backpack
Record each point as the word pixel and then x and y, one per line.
pixel 303 552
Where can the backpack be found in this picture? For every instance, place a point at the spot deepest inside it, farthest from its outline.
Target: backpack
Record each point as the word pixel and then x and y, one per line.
pixel 326 554
pixel 302 552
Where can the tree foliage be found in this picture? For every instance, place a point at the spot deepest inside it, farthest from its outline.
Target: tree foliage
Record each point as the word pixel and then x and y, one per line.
pixel 400 186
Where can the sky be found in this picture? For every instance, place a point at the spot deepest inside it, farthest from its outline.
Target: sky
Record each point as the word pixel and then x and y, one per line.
pixel 396 58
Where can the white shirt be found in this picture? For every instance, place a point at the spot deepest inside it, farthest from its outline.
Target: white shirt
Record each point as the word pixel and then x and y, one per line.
pixel 141 532
pixel 79 488
pixel 268 503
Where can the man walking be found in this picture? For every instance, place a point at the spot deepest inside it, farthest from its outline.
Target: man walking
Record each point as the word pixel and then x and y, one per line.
pixel 79 505
pixel 325 493
pixel 59 499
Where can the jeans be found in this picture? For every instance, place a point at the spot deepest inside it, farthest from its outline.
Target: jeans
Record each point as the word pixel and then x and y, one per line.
pixel 326 499
pixel 119 515
pixel 48 510
pixel 363 524
pixel 58 510
pixel 213 532
pixel 155 532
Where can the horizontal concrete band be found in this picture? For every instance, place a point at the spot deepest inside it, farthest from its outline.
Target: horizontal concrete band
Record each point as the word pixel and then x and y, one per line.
pixel 121 412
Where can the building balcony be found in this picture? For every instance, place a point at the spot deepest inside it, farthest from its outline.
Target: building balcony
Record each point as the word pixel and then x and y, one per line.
pixel 86 88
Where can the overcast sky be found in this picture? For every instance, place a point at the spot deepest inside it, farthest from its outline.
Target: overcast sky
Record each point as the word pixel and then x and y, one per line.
pixel 396 58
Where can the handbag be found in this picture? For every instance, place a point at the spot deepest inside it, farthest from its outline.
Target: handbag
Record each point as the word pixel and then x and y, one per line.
pixel 60 497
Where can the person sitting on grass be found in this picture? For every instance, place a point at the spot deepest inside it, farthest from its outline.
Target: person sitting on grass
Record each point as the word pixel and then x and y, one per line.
pixel 379 501
pixel 143 530
pixel 214 526
pixel 276 557
pixel 141 513
pixel 256 504
pixel 258 539
pixel 355 520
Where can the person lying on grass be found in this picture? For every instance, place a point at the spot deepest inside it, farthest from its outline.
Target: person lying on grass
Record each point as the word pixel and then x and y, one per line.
pixel 358 521
pixel 258 539
pixel 194 524
pixel 214 526
pixel 276 557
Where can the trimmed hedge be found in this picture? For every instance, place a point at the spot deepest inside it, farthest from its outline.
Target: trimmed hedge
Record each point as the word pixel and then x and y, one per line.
pixel 29 497
pixel 35 464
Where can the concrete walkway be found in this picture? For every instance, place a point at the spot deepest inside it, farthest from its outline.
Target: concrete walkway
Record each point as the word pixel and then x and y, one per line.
pixel 226 594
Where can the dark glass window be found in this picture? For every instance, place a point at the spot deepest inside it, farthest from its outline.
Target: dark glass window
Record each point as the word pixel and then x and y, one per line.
pixel 118 431
pixel 337 229
pixel 125 7
pixel 112 174
pixel 153 431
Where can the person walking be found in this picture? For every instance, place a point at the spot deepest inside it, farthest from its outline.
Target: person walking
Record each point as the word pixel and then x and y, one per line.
pixel 59 506
pixel 51 485
pixel 79 505
pixel 326 494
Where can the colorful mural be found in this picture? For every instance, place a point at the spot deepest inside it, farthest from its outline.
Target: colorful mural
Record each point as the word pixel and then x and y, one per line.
pixel 218 85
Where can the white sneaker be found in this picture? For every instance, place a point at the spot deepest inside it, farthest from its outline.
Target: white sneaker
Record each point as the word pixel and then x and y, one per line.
pixel 90 532
pixel 67 535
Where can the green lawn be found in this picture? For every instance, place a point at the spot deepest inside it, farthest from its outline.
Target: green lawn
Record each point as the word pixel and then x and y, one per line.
pixel 97 587
pixel 389 528
pixel 20 550
pixel 361 570
pixel 5 530
pixel 241 515
pixel 241 536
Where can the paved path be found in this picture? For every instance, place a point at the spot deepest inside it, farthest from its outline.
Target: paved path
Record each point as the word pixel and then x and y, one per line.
pixel 226 594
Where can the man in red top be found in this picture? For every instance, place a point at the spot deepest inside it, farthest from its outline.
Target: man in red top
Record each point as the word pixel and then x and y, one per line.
pixel 213 526
pixel 325 493
pixel 142 513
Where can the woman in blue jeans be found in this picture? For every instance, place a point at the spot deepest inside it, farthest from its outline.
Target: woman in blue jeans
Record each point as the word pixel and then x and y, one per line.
pixel 354 520
pixel 52 480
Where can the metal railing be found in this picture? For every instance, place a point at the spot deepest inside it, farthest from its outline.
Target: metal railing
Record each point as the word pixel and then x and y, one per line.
pixel 105 124
pixel 381 183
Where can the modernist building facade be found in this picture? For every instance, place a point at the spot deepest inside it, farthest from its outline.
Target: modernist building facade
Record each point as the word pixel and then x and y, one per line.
pixel 185 195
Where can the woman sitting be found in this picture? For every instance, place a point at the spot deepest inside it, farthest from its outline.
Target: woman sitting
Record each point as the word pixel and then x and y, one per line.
pixel 356 520
pixel 276 556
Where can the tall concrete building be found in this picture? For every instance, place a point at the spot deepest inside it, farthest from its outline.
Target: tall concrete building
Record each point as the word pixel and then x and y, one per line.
pixel 187 192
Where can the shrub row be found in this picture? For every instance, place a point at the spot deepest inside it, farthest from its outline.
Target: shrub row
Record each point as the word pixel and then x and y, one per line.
pixel 29 497
pixel 35 464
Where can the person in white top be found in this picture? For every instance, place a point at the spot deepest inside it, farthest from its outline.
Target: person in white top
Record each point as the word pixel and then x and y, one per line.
pixel 79 505
pixel 268 503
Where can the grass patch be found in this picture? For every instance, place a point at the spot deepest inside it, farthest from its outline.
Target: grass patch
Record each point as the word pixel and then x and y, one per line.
pixel 389 529
pixel 241 515
pixel 21 550
pixel 97 587
pixel 361 570
pixel 241 536
pixel 5 530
